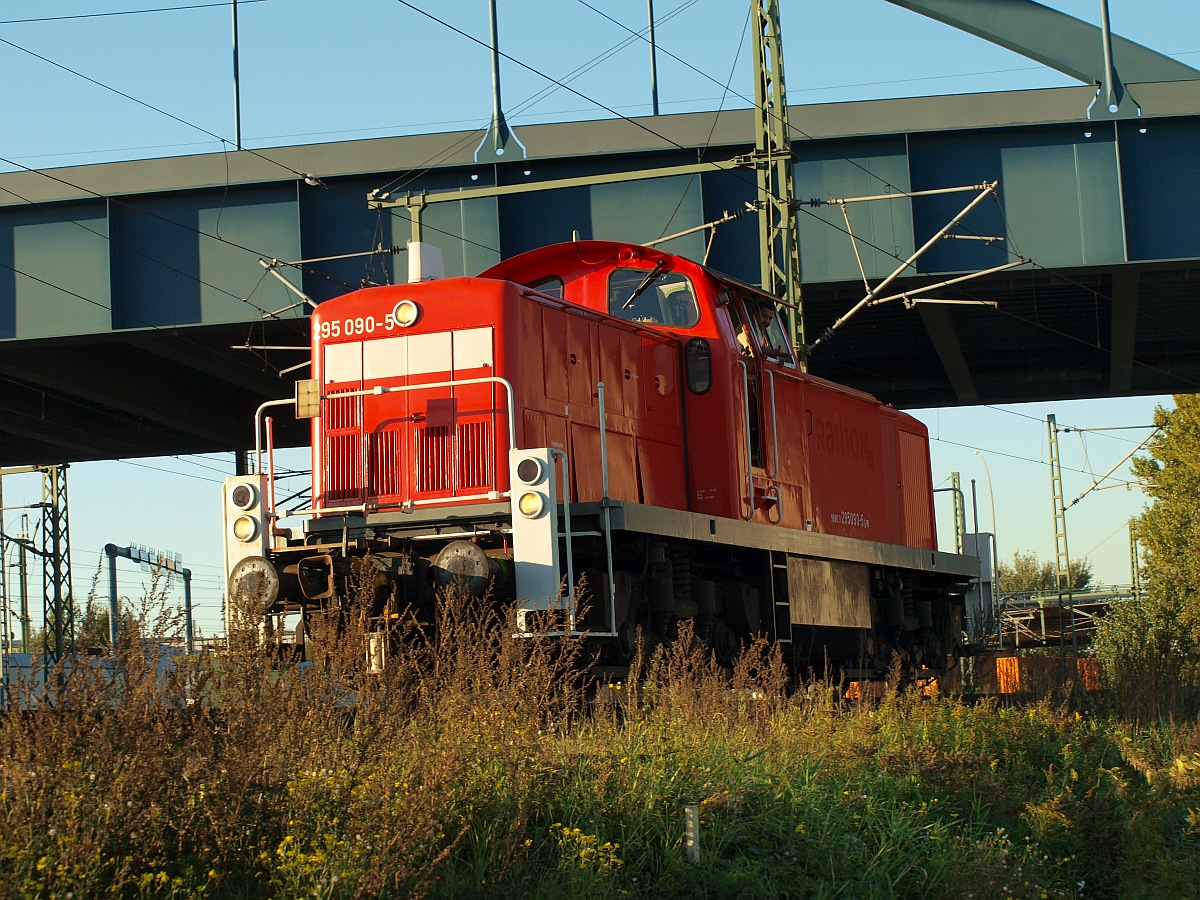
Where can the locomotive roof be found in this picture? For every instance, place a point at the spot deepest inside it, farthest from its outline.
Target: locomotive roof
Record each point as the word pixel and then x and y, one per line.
pixel 577 259
pixel 572 259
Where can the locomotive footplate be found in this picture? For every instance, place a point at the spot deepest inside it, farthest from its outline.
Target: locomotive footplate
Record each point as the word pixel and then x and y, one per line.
pixel 688 526
pixel 824 597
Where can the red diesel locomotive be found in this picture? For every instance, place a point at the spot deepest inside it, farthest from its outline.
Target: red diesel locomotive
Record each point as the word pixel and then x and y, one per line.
pixel 615 416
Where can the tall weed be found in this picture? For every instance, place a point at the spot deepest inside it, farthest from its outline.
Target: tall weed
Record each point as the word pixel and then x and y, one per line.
pixel 476 764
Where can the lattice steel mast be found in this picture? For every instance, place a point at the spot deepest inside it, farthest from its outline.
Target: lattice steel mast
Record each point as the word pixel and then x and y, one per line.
pixel 779 247
pixel 1062 558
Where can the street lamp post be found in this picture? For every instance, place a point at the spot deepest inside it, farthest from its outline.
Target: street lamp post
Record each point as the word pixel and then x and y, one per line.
pixel 995 556
pixel 991 497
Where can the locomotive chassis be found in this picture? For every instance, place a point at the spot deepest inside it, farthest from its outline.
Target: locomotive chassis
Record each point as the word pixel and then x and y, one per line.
pixel 758 572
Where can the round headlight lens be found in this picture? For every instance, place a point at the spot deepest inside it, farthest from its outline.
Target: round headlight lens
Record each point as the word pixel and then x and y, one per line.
pixel 531 504
pixel 529 470
pixel 245 529
pixel 406 313
pixel 243 496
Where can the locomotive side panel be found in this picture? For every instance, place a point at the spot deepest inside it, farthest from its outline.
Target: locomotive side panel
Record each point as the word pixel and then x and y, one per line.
pixel 553 354
pixel 917 482
pixel 662 407
pixel 716 430
pixel 580 362
pixel 576 350
pixel 787 454
pixel 846 465
pixel 893 486
pixel 661 477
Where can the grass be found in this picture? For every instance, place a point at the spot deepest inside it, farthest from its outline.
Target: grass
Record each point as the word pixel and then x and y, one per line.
pixel 479 766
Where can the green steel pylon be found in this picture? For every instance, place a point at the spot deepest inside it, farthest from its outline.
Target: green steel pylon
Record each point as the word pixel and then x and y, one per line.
pixel 778 244
pixel 1062 558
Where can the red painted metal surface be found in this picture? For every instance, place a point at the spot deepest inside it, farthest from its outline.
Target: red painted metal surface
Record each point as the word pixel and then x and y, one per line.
pixel 762 441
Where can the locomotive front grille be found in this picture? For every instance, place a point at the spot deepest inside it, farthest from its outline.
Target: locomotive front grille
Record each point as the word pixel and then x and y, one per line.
pixel 344 481
pixel 477 456
pixel 435 460
pixel 343 413
pixel 386 473
pixel 342 417
pixel 453 459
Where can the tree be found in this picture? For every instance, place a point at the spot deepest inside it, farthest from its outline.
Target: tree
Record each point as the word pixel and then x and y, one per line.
pixel 1027 574
pixel 1151 648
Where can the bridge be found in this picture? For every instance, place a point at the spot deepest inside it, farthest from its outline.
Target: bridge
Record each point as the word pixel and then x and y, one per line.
pixel 141 313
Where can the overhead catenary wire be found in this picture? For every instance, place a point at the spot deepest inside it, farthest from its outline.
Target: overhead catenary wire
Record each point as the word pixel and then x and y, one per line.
pixel 1017 317
pixel 126 12
pixel 429 163
pixel 557 82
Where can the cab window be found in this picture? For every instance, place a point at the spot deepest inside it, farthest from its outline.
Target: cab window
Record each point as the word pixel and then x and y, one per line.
pixel 653 297
pixel 768 329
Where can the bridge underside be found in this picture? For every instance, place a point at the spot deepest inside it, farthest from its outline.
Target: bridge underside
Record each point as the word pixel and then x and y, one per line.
pixel 1052 337
pixel 133 307
pixel 142 393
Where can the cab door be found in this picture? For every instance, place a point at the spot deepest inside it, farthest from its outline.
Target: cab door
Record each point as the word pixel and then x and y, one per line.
pixel 766 358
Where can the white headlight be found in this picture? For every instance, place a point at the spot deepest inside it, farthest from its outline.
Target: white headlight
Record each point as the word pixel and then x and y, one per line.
pixel 406 313
pixel 531 504
pixel 245 529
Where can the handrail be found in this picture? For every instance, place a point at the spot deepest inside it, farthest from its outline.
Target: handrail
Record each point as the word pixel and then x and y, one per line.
pixel 566 497
pixel 402 505
pixel 749 450
pixel 258 428
pixel 269 500
pixel 777 506
pixel 607 513
pixel 403 388
pixel 774 473
pixel 379 390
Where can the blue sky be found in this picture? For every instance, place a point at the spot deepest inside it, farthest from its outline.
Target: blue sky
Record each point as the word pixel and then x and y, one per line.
pixel 87 86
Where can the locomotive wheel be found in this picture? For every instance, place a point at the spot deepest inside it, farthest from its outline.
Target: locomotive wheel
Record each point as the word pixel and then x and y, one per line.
pixel 627 632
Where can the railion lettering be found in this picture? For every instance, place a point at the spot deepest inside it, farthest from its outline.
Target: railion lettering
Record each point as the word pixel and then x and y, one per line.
pixel 837 437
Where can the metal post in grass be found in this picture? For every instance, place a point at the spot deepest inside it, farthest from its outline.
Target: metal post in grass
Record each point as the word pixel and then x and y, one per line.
pixel 691 832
